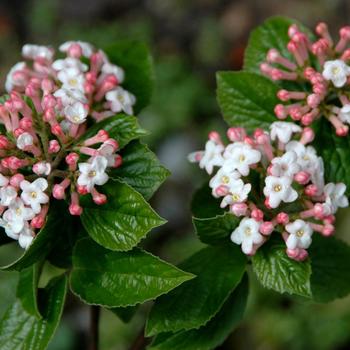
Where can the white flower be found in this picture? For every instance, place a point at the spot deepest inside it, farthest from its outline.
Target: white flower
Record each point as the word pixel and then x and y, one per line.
pixel 307 157
pixel 71 78
pixel 240 156
pixel 26 237
pixel 8 229
pixel 7 195
pixel 24 140
pixel 336 71
pixel 344 114
pixel 121 100
pixel 37 51
pixel 107 151
pixel 109 68
pixel 17 215
pixel 11 82
pixel 335 196
pixel 238 193
pixel 283 131
pixel 76 113
pixel 33 193
pixel 69 62
pixel 300 235
pixel 212 156
pixel 87 49
pixel 93 173
pixel 225 178
pixel 279 189
pixel 317 176
pixel 285 165
pixel 42 168
pixel 247 234
pixel 4 181
pixel 70 96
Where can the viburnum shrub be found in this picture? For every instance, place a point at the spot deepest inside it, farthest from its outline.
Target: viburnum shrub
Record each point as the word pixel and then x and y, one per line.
pixel 74 185
pixel 274 189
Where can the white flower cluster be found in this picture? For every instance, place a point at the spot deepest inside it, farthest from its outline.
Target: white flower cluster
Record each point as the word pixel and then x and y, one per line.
pixel 291 172
pixel 21 206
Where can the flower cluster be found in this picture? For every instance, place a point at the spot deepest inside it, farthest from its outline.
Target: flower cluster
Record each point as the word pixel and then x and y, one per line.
pixel 321 69
pixel 50 105
pixel 275 182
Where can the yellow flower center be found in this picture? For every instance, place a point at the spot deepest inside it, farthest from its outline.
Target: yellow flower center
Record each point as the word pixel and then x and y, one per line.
pixel 248 231
pixel 300 233
pixel 225 179
pixel 92 173
pixel 335 70
pixel 236 197
pixel 76 118
pixel 277 188
pixel 18 211
pixel 242 158
pixel 33 194
pixel 73 82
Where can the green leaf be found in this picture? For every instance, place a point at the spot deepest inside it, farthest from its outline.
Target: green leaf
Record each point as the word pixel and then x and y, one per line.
pixel 216 230
pixel 275 270
pixel 204 205
pixel 20 330
pixel 247 99
pixel 27 289
pixel 123 221
pixel 214 333
pixel 335 152
pixel 134 57
pixel 218 271
pixel 123 128
pixel 125 313
pixel 44 241
pixel 141 169
pixel 330 263
pixel 114 279
pixel 272 34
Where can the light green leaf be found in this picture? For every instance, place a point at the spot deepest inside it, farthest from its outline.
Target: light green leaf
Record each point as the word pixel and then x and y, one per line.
pixel 272 34
pixel 27 289
pixel 122 127
pixel 218 271
pixel 330 263
pixel 123 221
pixel 214 333
pixel 114 279
pixel 135 59
pixel 216 230
pixel 275 270
pixel 22 331
pixel 247 99
pixel 141 169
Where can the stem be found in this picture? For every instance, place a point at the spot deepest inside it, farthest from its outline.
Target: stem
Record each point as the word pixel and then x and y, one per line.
pixel 140 342
pixel 94 321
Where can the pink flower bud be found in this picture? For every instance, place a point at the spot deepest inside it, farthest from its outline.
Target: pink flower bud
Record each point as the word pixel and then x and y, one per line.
pixel 25 123
pixel 54 146
pixel 239 209
pixel 82 190
pixel 37 222
pixel 222 190
pixel 313 100
pixel 292 253
pixel 4 142
pixel 307 136
pixel 75 50
pixel 342 131
pixel 266 228
pixel 302 177
pixel 118 161
pixel 75 209
pixel 58 192
pixel 345 32
pixel 257 214
pixel 16 180
pixel 98 198
pixel 307 119
pixel 280 111
pixel 49 101
pixel 282 218
pixel 236 134
pixel 214 136
pixel 18 132
pixel 318 211
pixel 72 158
pixel 328 230
pixel 42 168
pixel 267 204
pixel 329 219
pixel 311 190
pixel 283 95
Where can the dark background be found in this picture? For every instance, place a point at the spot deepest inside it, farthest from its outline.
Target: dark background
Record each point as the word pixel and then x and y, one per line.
pixel 190 41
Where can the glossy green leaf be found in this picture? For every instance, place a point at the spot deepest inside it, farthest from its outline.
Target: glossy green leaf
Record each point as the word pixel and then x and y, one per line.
pixel 27 289
pixel 214 333
pixel 247 99
pixel 115 279
pixel 204 205
pixel 272 34
pixel 218 271
pixel 135 59
pixel 44 241
pixel 122 127
pixel 123 221
pixel 275 270
pixel 22 331
pixel 335 152
pixel 216 230
pixel 330 263
pixel 141 169
pixel 125 313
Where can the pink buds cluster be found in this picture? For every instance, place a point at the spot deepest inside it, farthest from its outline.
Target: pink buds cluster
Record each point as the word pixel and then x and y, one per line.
pixel 322 67
pixel 275 182
pixel 49 108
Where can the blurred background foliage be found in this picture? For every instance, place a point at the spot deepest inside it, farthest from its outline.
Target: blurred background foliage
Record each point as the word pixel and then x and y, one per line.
pixel 190 41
